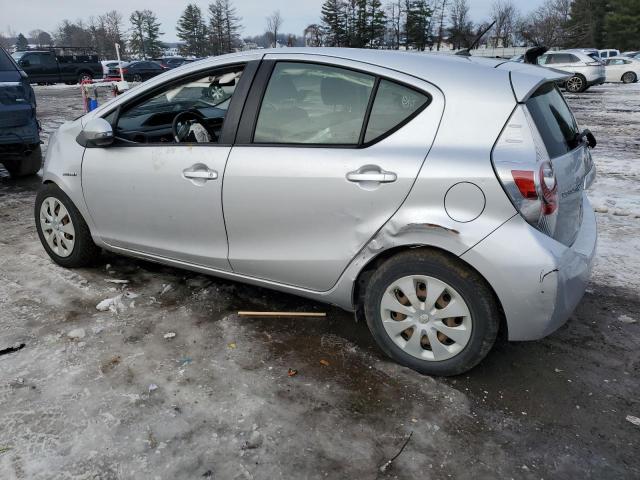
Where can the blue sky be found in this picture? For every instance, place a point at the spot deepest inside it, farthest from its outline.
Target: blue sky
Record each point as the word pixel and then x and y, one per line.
pixel 26 15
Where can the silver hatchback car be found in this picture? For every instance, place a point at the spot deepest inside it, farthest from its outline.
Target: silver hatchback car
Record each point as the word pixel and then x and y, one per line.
pixel 441 198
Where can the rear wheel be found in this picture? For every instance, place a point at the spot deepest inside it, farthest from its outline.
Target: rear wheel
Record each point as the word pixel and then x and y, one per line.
pixel 63 232
pixel 26 165
pixel 576 84
pixel 629 77
pixel 430 312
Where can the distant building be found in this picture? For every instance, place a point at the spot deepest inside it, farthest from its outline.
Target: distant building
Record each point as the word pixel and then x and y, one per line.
pixel 172 49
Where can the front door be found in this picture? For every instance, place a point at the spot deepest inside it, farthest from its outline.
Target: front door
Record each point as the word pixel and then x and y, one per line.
pixel 154 193
pixel 319 166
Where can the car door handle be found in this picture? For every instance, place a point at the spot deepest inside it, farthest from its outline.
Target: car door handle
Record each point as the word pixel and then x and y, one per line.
pixel 371 174
pixel 199 172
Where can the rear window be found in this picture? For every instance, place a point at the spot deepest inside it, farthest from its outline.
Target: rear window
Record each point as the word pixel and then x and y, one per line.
pixel 5 62
pixel 554 120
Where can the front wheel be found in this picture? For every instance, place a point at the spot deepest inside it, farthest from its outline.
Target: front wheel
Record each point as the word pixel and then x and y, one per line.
pixel 137 77
pixel 63 232
pixel 432 313
pixel 629 77
pixel 576 84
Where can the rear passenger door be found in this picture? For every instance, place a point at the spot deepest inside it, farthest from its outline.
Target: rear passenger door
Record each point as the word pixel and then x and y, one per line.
pixel 325 154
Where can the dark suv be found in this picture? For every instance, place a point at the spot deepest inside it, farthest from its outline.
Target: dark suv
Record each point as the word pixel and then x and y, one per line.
pixel 19 131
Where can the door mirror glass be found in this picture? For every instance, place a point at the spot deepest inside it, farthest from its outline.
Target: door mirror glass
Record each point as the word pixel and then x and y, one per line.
pixel 96 133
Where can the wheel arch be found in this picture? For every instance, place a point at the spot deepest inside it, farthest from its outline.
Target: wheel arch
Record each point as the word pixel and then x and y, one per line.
pixel 365 273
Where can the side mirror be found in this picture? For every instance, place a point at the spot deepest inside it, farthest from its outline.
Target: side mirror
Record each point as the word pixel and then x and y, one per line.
pixel 96 133
pixel 25 63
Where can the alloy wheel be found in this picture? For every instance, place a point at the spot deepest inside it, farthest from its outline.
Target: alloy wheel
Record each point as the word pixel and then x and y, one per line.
pixel 426 317
pixel 629 77
pixel 574 84
pixel 57 227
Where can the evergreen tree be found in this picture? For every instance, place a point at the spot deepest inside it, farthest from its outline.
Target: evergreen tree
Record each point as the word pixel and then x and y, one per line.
pixel 191 30
pixel 224 27
pixel 418 24
pixel 22 43
pixel 586 23
pixel 622 24
pixel 334 22
pixel 136 40
pixel 145 34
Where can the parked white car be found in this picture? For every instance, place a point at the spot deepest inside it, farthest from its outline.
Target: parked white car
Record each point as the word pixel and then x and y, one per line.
pixel 622 69
pixel 109 64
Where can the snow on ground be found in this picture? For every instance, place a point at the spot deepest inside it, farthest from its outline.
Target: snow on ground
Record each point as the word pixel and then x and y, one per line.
pixel 612 112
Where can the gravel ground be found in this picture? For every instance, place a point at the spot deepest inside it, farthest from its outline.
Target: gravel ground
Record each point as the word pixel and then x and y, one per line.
pixel 174 385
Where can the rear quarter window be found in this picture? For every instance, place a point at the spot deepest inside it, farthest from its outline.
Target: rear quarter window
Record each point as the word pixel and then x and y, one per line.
pixel 554 120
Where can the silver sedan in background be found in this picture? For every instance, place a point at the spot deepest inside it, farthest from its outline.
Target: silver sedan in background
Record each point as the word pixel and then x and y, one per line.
pixel 441 198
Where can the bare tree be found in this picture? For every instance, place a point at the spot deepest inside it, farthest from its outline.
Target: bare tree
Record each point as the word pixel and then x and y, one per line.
pixel 505 14
pixel 441 24
pixel 461 33
pixel 314 35
pixel 274 22
pixel 547 25
pixel 395 12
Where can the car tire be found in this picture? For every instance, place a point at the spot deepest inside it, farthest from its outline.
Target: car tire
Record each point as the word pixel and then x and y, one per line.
pixel 629 77
pixel 137 77
pixel 576 84
pixel 79 249
pixel 464 292
pixel 84 76
pixel 29 165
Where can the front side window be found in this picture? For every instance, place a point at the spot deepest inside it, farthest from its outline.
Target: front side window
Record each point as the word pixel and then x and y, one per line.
pixel 313 104
pixel 194 109
pixel 554 120
pixel 393 105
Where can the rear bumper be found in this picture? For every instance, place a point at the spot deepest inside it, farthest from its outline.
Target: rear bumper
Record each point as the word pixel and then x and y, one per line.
pixel 597 81
pixel 538 280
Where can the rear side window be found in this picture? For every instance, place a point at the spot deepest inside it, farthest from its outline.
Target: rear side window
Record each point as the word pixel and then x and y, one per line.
pixel 313 104
pixel 554 120
pixel 394 105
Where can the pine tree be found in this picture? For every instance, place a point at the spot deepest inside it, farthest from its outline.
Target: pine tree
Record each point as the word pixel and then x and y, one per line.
pixel 418 23
pixel 333 22
pixel 151 28
pixel 22 43
pixel 586 23
pixel 145 34
pixel 191 30
pixel 136 41
pixel 224 27
pixel 622 24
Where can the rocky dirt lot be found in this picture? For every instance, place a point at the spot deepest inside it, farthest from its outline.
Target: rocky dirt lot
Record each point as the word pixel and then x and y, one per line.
pixel 171 384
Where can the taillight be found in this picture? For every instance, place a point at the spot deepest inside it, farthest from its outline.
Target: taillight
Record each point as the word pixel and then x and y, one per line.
pixel 124 70
pixel 526 172
pixel 549 188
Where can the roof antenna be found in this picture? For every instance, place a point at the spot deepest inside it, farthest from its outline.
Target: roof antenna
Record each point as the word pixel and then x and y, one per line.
pixel 466 52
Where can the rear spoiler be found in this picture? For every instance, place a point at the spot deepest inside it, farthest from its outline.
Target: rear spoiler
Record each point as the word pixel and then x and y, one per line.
pixel 526 79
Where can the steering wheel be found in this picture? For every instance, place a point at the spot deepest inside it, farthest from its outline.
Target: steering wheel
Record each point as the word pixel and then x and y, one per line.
pixel 182 123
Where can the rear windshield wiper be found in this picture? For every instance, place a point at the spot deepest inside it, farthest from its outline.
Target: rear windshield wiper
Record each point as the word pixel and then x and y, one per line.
pixel 586 133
